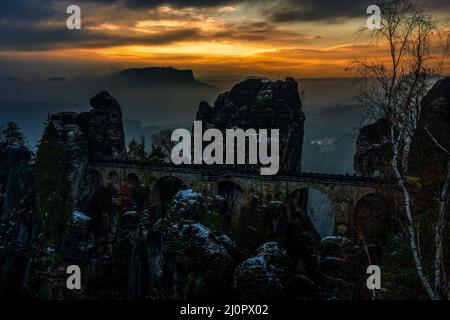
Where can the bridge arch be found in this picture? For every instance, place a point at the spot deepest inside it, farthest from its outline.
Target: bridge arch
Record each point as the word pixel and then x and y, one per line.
pixel 344 192
pixel 133 180
pixel 94 179
pixel 233 195
pixel 113 179
pixel 369 218
pixel 367 193
pixel 163 190
pixel 225 186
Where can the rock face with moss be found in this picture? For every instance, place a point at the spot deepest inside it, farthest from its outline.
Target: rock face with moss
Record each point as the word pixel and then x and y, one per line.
pixel 261 104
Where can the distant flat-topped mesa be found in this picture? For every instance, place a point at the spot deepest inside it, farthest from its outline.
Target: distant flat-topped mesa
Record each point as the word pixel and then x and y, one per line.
pixel 159 76
pixel 262 104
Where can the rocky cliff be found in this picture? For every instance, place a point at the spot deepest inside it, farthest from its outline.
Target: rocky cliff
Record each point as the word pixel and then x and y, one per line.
pixel 17 227
pixel 88 136
pixel 101 128
pixel 91 136
pixel 16 177
pixel 262 104
pixel 425 155
pixel 372 149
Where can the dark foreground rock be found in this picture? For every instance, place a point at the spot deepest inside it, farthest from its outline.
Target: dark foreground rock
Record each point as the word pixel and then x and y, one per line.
pixel 342 266
pixel 264 276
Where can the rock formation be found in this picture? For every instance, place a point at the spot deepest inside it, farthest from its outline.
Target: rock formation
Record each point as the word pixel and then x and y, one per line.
pixel 91 136
pixel 425 155
pixel 372 146
pixel 265 275
pixel 17 228
pixel 372 149
pixel 101 128
pixel 16 177
pixel 260 104
pixel 339 264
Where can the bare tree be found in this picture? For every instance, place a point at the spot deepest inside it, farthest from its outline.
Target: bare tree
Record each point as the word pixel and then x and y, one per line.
pixel 393 88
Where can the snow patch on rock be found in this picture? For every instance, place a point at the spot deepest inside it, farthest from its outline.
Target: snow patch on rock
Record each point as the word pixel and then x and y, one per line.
pixel 80 217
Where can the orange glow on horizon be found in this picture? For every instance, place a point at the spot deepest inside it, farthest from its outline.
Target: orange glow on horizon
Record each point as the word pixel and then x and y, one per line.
pixel 229 40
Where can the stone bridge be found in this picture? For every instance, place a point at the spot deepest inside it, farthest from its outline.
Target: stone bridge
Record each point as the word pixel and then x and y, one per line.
pixel 343 191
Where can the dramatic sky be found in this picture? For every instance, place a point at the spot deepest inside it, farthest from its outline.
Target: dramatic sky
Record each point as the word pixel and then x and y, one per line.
pixel 215 38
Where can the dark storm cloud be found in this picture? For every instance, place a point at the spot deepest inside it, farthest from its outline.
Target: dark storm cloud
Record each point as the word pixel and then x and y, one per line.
pixel 279 9
pixel 332 10
pixel 259 31
pixel 22 32
pixel 23 27
pixel 276 10
pixel 172 3
pixel 24 38
pixel 24 23
pixel 25 10
pixel 181 3
pixel 312 10
pixel 282 10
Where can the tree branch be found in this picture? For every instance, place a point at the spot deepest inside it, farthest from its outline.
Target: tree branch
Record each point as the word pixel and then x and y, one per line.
pixel 436 142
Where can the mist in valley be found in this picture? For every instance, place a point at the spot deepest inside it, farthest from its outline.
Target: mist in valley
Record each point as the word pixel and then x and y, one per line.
pixel 332 117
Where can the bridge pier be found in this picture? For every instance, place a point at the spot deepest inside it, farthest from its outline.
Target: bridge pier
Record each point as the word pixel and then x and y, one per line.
pixel 343 212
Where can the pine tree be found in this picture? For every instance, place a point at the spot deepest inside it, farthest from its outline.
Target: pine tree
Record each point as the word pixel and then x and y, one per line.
pixel 12 134
pixel 162 141
pixel 157 155
pixel 52 186
pixel 136 149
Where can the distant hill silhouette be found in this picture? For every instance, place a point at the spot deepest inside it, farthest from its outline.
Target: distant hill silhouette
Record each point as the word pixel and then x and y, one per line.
pixel 12 80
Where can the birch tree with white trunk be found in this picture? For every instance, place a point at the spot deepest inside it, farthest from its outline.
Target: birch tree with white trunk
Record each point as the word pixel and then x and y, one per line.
pixel 393 87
